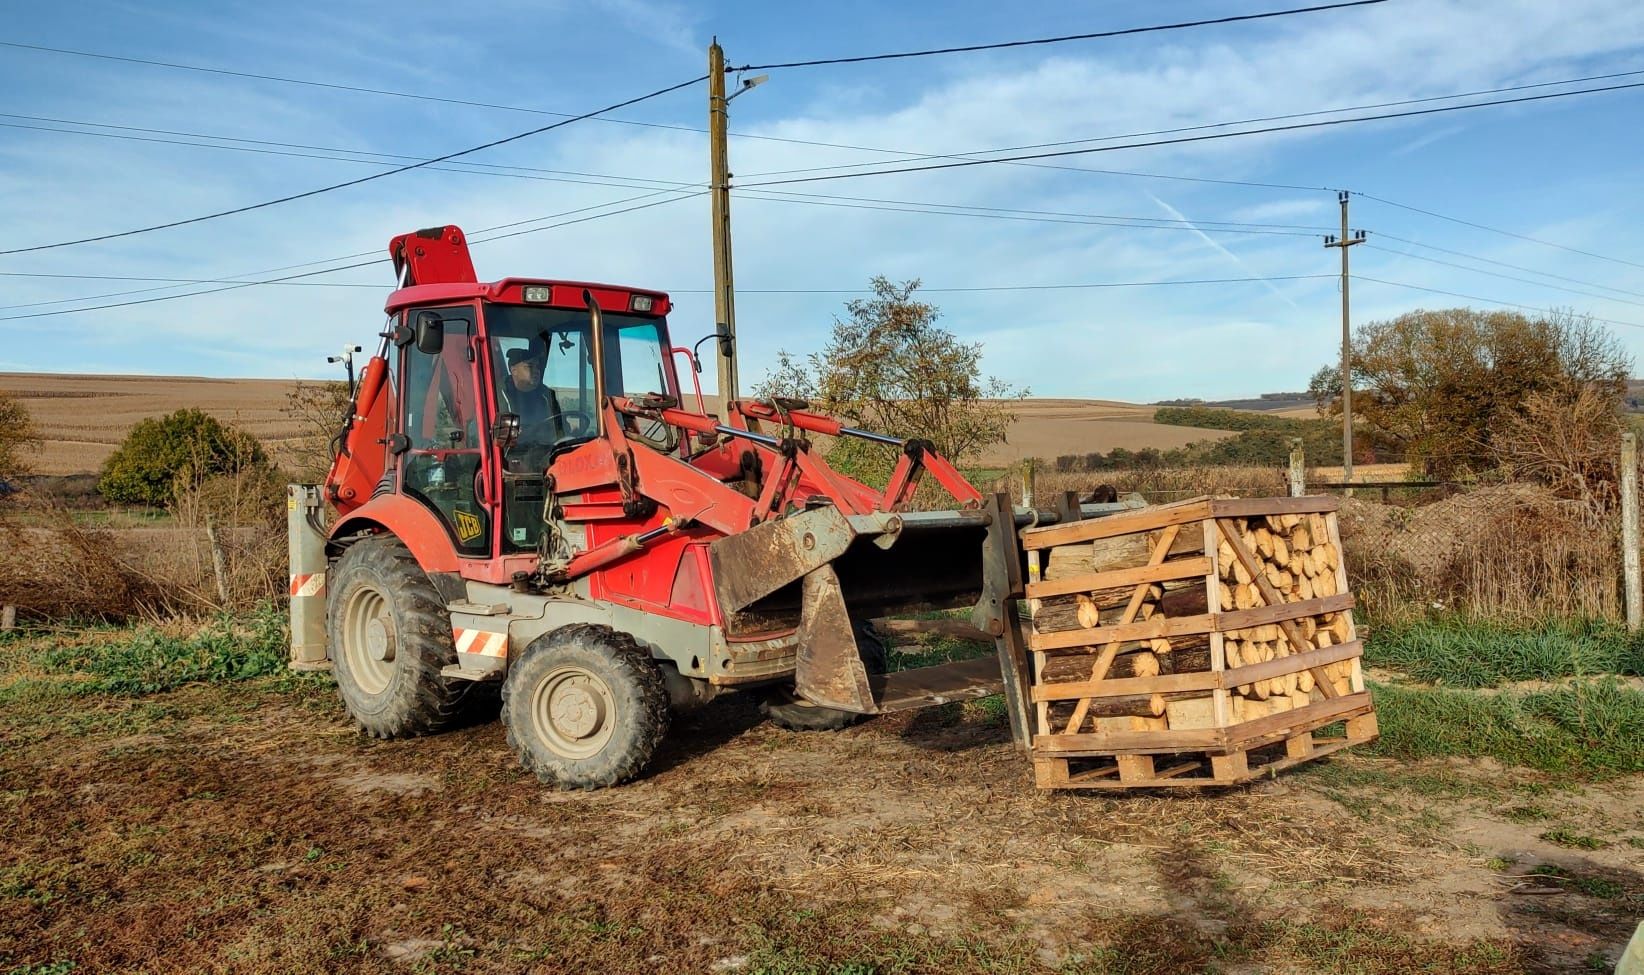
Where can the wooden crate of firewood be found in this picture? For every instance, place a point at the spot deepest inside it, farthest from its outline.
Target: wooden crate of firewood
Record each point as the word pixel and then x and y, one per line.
pixel 1201 643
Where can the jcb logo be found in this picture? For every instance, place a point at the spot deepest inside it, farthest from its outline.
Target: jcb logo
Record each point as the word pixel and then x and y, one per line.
pixel 468 526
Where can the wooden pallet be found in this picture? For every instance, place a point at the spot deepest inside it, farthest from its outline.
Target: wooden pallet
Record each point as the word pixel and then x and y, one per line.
pixel 1231 688
pixel 1196 770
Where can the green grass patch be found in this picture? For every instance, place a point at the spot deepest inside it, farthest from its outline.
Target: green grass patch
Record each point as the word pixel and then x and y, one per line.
pixel 149 661
pixel 1591 886
pixel 1592 728
pixel 1362 947
pixel 1566 837
pixel 1472 653
pixel 44 968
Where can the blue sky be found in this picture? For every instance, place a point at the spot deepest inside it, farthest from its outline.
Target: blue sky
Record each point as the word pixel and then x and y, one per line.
pixel 1564 171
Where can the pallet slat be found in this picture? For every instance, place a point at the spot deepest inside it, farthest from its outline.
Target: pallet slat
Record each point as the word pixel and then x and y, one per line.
pixel 1203 681
pixel 1161 626
pixel 1164 572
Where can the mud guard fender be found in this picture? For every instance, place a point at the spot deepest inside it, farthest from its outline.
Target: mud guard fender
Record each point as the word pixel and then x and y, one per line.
pixel 406 520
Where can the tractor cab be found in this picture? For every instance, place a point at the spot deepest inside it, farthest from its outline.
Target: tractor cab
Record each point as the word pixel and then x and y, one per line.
pixel 491 381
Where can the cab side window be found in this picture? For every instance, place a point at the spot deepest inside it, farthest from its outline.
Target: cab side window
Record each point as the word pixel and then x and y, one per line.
pixel 440 417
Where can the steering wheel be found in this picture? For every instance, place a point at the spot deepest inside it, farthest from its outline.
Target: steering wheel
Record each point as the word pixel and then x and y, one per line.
pixel 584 424
pixel 546 432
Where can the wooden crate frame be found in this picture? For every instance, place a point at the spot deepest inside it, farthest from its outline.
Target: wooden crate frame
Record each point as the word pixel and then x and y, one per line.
pixel 1228 746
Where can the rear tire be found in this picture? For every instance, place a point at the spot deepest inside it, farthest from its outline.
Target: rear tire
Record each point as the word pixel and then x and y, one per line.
pixel 389 635
pixel 585 707
pixel 786 709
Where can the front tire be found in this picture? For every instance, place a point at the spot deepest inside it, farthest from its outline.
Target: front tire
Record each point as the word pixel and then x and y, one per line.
pixel 787 709
pixel 389 636
pixel 585 707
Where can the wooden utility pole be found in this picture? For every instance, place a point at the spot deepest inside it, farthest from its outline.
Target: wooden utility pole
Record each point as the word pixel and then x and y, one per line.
pixel 1345 241
pixel 1631 576
pixel 720 188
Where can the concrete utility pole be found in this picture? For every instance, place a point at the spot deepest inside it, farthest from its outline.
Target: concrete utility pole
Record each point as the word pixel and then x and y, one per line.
pixel 720 186
pixel 1346 240
pixel 1631 574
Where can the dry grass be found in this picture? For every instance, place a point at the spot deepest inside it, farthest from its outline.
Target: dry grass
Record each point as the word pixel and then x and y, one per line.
pixel 55 566
pixel 1514 552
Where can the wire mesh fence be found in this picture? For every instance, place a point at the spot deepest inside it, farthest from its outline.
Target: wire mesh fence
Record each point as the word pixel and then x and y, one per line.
pixel 1486 547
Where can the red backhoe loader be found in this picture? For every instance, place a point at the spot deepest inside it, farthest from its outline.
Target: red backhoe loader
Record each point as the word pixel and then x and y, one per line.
pixel 523 502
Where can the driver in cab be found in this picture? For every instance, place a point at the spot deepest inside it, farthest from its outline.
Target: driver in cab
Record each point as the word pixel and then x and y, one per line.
pixel 526 396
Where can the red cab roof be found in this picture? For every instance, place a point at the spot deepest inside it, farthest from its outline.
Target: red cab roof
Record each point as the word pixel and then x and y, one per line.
pixel 564 294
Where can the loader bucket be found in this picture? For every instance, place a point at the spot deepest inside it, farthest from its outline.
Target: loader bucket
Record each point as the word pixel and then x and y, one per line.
pixel 824 571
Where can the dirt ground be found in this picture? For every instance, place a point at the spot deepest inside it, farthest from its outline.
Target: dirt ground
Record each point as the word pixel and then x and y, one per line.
pixel 248 828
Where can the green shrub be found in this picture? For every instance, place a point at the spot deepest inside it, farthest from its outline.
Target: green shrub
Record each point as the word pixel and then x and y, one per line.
pixel 185 447
pixel 147 661
pixel 1473 653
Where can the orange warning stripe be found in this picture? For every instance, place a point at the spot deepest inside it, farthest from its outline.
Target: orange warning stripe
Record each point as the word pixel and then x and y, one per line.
pixel 481 642
pixel 308 584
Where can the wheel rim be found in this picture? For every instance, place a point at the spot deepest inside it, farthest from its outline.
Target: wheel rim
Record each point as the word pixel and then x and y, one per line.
pixel 573 712
pixel 369 640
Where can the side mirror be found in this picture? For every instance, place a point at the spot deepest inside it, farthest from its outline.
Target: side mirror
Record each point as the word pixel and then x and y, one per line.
pixel 505 432
pixel 430 333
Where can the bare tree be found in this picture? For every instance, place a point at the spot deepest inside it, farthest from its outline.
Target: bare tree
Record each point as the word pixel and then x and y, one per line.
pixel 18 437
pixel 888 367
pixel 1442 385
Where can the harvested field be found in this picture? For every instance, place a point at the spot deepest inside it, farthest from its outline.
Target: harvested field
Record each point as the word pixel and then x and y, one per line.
pixel 1047 428
pixel 83 418
pixel 246 827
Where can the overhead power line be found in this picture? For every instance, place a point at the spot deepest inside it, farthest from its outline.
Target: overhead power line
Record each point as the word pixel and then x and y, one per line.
pixel 168 285
pixel 871 203
pixel 367 263
pixel 1027 216
pixel 364 179
pixel 1382 235
pixel 339 154
pixel 971 154
pixel 334 86
pixel 1295 126
pixel 1506 277
pixel 1011 287
pixel 336 153
pixel 1498 230
pixel 1492 301
pixel 999 45
pixel 658 125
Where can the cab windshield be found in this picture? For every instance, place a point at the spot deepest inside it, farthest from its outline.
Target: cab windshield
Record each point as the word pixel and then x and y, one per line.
pixel 541 361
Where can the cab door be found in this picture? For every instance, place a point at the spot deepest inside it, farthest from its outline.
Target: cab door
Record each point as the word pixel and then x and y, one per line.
pixel 445 447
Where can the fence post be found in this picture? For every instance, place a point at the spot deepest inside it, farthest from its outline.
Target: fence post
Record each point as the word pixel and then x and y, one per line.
pixel 8 617
pixel 1298 468
pixel 219 562
pixel 1629 531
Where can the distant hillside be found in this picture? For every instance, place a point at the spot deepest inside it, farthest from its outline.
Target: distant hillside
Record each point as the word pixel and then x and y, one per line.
pixel 1264 403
